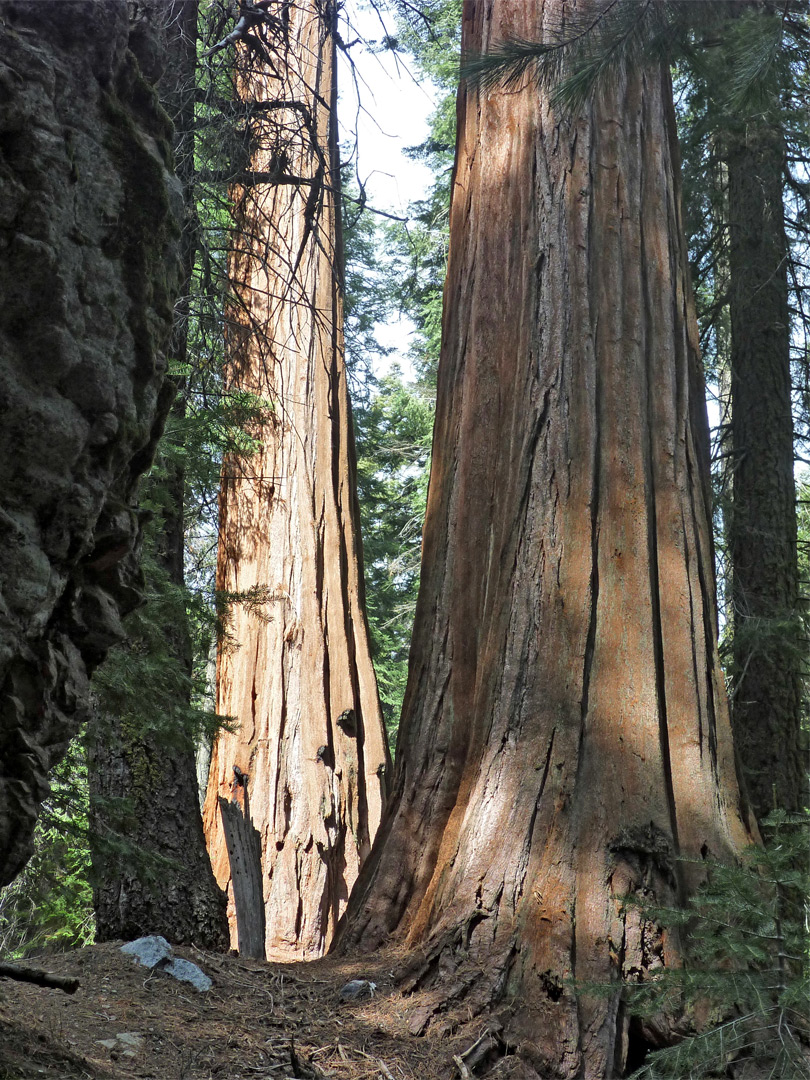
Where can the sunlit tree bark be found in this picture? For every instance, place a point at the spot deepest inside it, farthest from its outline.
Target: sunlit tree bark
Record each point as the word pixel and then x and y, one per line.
pixel 295 670
pixel 565 732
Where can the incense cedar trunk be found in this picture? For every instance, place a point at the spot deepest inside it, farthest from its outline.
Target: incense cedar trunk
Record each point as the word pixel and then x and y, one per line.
pixel 296 663
pixel 565 732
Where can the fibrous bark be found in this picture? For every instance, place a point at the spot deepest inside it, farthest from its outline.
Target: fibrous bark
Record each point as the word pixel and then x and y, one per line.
pixel 295 672
pixel 565 732
pixel 768 643
pixel 148 763
pixel 87 277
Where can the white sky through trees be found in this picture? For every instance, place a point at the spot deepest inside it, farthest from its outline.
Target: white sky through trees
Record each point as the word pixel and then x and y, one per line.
pixel 384 109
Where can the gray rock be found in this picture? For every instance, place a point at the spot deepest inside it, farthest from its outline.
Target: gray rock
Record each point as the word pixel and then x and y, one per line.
pixel 149 951
pixel 185 971
pixel 357 989
pixel 132 1039
pixel 155 952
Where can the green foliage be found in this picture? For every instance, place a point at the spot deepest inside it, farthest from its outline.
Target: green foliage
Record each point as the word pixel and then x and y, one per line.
pixel 421 246
pixel 744 990
pixel 393 423
pixel 589 47
pixel 49 905
pixel 401 267
pixel 393 438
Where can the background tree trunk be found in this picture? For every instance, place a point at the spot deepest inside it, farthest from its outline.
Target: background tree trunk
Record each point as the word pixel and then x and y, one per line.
pixel 769 650
pixel 295 672
pixel 155 769
pixel 565 731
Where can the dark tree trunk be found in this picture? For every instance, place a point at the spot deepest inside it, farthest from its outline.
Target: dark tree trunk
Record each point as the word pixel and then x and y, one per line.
pixel 88 274
pixel 565 731
pixel 155 771
pixel 769 649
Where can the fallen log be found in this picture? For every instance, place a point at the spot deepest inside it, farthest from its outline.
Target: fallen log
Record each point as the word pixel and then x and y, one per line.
pixel 68 983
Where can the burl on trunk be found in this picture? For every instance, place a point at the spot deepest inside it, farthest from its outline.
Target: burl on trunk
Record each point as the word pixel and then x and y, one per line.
pixel 565 732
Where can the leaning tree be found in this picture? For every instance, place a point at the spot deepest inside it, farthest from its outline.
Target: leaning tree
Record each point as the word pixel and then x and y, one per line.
pixel 307 757
pixel 565 733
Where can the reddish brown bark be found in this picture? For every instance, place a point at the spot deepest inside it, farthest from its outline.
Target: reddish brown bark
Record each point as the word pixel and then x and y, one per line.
pixel 300 683
pixel 565 731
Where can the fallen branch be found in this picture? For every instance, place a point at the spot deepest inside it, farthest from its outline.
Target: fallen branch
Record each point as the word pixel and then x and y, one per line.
pixel 68 983
pixel 463 1071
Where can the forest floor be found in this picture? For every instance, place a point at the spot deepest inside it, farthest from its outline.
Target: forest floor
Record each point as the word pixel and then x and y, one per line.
pixel 259 1021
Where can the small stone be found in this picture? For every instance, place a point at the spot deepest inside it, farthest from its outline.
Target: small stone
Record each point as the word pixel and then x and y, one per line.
pixel 185 971
pixel 357 989
pixel 108 1044
pixel 131 1039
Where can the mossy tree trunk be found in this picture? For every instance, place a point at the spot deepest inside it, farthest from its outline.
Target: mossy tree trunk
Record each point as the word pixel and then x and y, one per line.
pixel 295 670
pixel 565 732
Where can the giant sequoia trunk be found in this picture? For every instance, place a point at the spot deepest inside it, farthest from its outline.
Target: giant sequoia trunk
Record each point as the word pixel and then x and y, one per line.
pixel 565 731
pixel 149 763
pixel 87 277
pixel 295 671
pixel 768 644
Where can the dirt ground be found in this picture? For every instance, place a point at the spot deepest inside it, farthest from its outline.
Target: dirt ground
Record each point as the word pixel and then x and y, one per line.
pixel 259 1021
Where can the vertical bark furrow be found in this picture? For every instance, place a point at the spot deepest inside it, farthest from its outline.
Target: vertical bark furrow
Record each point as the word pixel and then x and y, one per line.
pixel 298 548
pixel 576 674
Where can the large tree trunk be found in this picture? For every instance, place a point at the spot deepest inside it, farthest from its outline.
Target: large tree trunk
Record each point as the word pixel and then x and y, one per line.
pixel 297 674
pixel 88 274
pixel 768 644
pixel 565 731
pixel 154 768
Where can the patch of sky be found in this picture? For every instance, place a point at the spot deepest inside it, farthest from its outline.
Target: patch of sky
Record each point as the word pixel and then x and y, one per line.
pixel 384 109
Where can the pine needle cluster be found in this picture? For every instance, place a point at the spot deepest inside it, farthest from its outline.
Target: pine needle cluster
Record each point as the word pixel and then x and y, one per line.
pixel 586 49
pixel 744 987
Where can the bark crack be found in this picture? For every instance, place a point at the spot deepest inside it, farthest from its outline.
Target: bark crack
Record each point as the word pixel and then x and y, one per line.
pixel 651 496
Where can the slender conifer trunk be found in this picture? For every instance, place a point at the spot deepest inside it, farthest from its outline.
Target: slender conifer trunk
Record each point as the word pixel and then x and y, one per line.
pixel 769 648
pixel 565 732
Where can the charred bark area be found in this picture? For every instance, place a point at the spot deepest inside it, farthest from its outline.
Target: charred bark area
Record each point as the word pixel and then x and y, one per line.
pixel 297 674
pixel 89 272
pixel 769 646
pixel 565 732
